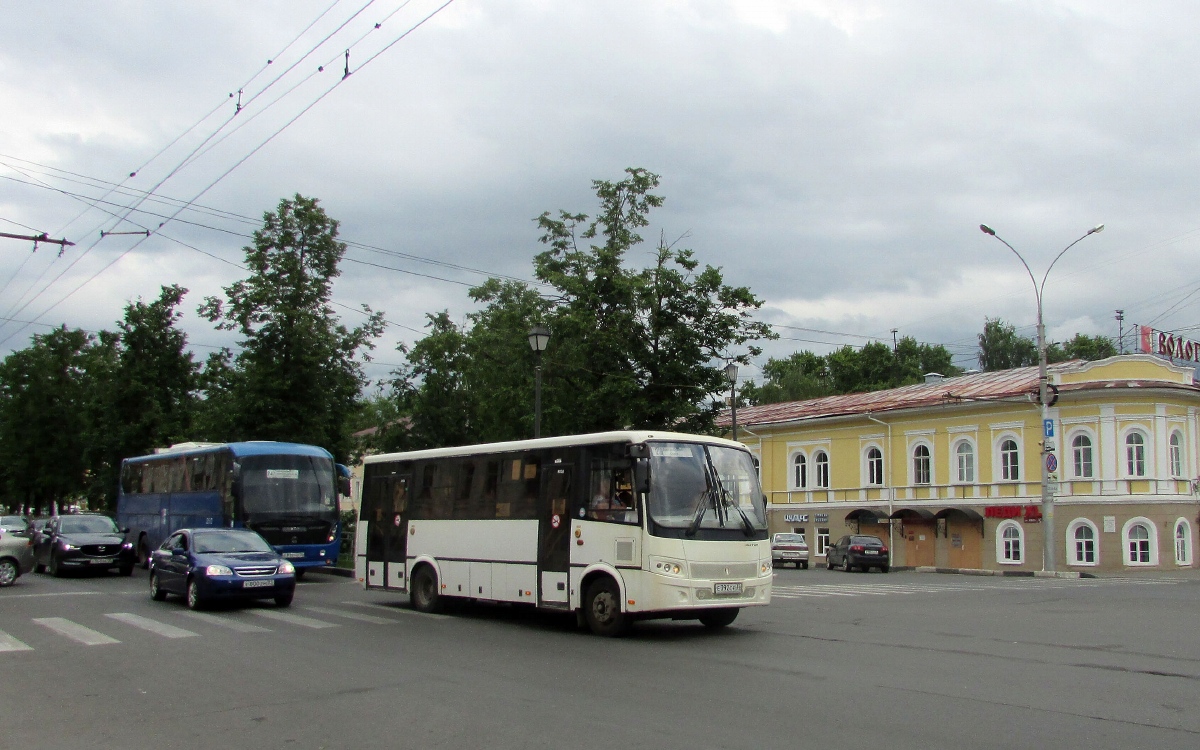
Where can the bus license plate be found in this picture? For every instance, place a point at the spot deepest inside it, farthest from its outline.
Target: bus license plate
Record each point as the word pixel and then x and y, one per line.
pixel 727 588
pixel 103 561
pixel 257 584
pixel 294 555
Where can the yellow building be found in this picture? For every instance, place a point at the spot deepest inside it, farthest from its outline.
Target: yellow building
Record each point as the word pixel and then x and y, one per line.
pixel 948 472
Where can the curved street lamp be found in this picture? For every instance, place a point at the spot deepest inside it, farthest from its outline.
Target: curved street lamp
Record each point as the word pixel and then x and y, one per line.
pixel 1048 540
pixel 731 370
pixel 538 336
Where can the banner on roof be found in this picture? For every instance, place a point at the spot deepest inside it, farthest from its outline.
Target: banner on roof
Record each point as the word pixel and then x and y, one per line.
pixel 1163 344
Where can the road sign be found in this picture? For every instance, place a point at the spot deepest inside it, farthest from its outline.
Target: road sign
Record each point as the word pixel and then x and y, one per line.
pixel 1051 462
pixel 1048 427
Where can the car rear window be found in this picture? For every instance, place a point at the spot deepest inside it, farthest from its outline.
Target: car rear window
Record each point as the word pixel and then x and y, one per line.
pixel 789 539
pixel 868 540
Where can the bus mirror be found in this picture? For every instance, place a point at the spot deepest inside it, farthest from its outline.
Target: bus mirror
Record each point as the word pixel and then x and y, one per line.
pixel 637 450
pixel 344 486
pixel 641 475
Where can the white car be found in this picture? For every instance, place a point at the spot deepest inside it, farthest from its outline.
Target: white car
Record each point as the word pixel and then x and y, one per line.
pixel 789 548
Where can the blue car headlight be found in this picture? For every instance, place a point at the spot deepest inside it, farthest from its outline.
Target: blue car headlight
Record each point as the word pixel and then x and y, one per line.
pixel 286 569
pixel 217 570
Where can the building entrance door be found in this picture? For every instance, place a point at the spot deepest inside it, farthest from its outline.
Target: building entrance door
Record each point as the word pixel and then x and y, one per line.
pixel 919 543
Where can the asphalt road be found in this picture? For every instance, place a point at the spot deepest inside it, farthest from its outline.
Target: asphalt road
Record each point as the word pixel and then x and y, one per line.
pixel 902 660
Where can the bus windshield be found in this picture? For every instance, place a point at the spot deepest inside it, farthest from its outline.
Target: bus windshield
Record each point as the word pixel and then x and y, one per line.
pixel 696 487
pixel 288 486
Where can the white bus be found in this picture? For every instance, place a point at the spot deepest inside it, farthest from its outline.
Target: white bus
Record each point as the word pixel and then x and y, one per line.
pixel 616 526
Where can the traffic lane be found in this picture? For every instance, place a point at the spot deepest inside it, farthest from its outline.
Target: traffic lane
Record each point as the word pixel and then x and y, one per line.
pixel 516 679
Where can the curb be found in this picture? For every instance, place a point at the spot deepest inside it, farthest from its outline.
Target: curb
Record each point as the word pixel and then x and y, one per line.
pixel 1004 573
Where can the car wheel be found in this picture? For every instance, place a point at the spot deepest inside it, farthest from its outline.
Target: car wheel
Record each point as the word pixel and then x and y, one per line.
pixel 719 618
pixel 424 591
pixel 126 570
pixel 39 568
pixel 8 572
pixel 143 554
pixel 284 600
pixel 300 574
pixel 55 570
pixel 829 562
pixel 802 565
pixel 157 592
pixel 193 595
pixel 846 564
pixel 602 608
pixel 884 568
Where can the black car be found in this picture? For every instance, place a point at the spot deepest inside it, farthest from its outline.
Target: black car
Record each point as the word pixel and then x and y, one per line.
pixel 83 541
pixel 204 565
pixel 853 551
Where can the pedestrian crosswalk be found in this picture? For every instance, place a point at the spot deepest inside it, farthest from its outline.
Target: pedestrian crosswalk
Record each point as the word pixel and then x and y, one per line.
pixel 863 588
pixel 112 628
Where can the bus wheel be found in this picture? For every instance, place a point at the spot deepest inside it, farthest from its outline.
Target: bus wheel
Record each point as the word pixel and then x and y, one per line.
pixel 719 618
pixel 423 591
pixel 602 608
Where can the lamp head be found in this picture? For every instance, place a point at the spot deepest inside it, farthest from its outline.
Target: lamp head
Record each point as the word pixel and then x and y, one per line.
pixel 1095 229
pixel 731 372
pixel 538 337
pixel 987 230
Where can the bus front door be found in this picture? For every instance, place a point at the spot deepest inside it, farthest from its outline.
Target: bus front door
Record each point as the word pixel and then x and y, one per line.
pixel 387 538
pixel 554 551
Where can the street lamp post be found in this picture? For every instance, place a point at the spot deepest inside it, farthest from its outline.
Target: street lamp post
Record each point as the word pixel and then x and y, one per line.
pixel 538 338
pixel 731 376
pixel 1048 540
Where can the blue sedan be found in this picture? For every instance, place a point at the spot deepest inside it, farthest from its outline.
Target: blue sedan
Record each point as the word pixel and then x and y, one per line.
pixel 204 565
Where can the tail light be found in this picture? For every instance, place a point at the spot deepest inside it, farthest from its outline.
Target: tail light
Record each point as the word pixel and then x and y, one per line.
pixel 856 548
pixel 884 550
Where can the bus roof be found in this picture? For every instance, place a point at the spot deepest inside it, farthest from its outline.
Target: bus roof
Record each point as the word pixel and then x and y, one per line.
pixel 564 441
pixel 248 448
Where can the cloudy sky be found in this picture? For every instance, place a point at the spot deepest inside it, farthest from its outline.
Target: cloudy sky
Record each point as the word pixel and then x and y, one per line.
pixel 835 156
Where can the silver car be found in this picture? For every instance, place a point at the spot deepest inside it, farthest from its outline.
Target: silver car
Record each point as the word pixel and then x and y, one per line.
pixel 16 556
pixel 789 548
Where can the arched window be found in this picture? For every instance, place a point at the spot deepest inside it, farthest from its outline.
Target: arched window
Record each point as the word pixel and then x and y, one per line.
pixel 1081 541
pixel 1010 462
pixel 1140 543
pixel 874 466
pixel 821 464
pixel 1081 456
pixel 1135 454
pixel 801 477
pixel 1010 545
pixel 1176 449
pixel 1183 542
pixel 921 474
pixel 965 455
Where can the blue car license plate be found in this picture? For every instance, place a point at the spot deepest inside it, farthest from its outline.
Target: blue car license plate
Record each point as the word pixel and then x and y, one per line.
pixel 257 584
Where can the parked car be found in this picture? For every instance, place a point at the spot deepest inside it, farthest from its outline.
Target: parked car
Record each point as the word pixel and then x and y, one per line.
pixel 83 541
pixel 16 556
pixel 861 552
pixel 789 548
pixel 203 565
pixel 14 523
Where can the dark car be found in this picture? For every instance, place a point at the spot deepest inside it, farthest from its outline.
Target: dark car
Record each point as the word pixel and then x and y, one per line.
pixel 863 552
pixel 205 565
pixel 83 541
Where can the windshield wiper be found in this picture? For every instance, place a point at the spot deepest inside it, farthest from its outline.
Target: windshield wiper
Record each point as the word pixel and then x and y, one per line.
pixel 747 525
pixel 706 495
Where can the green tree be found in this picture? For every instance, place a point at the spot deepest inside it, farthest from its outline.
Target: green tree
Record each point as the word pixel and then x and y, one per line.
pixel 1001 348
pixel 1089 347
pixel 44 402
pixel 803 375
pixel 146 395
pixel 297 376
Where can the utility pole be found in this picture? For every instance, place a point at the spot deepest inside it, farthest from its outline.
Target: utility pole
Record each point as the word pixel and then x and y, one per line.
pixel 1120 331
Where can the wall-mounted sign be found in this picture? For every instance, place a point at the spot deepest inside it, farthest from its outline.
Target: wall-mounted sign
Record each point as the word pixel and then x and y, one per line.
pixel 795 518
pixel 1029 513
pixel 822 518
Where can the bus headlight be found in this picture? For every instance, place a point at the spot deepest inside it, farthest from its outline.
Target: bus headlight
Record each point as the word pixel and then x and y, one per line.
pixel 766 567
pixel 333 532
pixel 665 567
pixel 217 570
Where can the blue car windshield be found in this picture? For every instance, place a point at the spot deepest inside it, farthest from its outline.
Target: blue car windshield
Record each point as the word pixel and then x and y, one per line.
pixel 229 541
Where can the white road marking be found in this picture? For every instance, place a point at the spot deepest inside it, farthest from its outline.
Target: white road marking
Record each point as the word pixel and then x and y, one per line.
pixel 8 643
pixel 353 616
pixel 75 631
pixel 225 622
pixel 152 626
pixel 60 593
pixel 307 622
pixel 397 610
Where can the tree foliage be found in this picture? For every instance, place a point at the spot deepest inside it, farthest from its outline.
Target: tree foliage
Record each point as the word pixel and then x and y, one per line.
pixel 297 376
pixel 1002 348
pixel 876 366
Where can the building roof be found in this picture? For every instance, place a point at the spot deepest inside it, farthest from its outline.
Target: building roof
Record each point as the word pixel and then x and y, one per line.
pixel 1002 385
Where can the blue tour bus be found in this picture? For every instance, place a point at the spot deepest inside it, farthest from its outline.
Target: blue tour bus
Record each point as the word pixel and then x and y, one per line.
pixel 286 492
